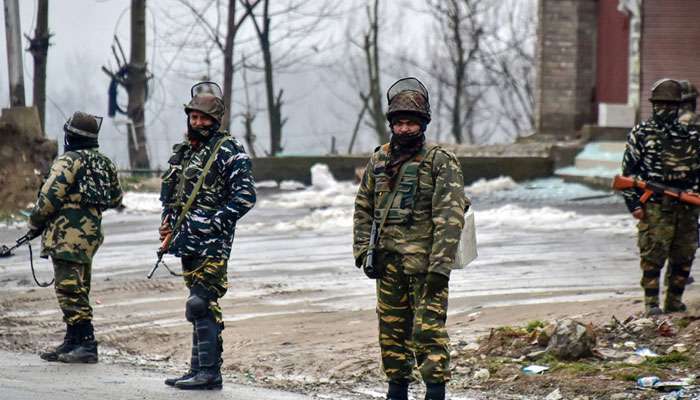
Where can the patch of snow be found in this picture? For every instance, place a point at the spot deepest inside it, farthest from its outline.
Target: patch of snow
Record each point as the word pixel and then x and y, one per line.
pixel 266 184
pixel 291 185
pixel 485 186
pixel 593 172
pixel 142 202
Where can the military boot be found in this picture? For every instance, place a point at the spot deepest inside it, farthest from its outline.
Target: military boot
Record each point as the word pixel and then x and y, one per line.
pixel 435 391
pixel 194 363
pixel 69 343
pixel 651 306
pixel 209 375
pixel 676 286
pixel 397 391
pixel 86 350
pixel 673 303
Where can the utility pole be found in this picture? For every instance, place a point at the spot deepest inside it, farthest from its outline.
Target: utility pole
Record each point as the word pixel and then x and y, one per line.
pixel 136 86
pixel 14 53
pixel 39 48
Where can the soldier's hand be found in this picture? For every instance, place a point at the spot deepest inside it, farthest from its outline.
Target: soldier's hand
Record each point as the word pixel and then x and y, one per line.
pixel 359 260
pixel 372 272
pixel 164 230
pixel 638 213
pixel 33 233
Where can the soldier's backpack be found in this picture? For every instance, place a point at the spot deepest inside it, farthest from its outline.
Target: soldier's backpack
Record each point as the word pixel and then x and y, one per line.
pixel 466 251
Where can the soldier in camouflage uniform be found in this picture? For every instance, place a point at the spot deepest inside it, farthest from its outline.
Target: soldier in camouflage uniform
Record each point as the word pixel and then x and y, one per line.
pixel 203 241
pixel 663 151
pixel 82 184
pixel 687 113
pixel 417 245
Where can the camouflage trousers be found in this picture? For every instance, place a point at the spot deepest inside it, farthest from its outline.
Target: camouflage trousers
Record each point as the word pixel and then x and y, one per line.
pixel 411 325
pixel 72 288
pixel 210 274
pixel 668 232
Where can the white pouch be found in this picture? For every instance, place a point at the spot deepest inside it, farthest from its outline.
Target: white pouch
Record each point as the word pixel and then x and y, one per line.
pixel 466 251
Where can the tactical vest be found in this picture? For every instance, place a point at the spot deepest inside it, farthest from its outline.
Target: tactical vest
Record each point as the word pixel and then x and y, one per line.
pixel 679 159
pixel 93 181
pixel 401 209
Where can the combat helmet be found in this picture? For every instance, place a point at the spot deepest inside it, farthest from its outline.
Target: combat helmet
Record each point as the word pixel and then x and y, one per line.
pixel 207 98
pixel 688 91
pixel 83 124
pixel 408 95
pixel 666 90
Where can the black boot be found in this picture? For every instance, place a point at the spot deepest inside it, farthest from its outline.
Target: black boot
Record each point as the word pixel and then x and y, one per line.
pixel 86 350
pixel 194 363
pixel 209 375
pixel 435 391
pixel 397 391
pixel 69 343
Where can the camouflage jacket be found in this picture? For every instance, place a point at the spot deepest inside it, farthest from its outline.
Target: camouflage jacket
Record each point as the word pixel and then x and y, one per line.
pixel 689 120
pixel 228 192
pixel 668 155
pixel 424 224
pixel 80 185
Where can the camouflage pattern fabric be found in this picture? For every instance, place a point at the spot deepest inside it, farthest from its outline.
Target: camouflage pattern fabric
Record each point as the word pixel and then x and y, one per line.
pixel 668 232
pixel 80 185
pixel 228 192
pixel 689 119
pixel 211 275
pixel 428 221
pixel 411 325
pixel 668 154
pixel 73 290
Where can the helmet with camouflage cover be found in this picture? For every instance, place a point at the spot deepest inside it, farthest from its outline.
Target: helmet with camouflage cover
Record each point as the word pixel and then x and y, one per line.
pixel 408 96
pixel 207 98
pixel 688 91
pixel 83 124
pixel 666 90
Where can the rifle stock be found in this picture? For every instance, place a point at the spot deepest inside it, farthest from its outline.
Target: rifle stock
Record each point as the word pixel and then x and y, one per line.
pixel 651 188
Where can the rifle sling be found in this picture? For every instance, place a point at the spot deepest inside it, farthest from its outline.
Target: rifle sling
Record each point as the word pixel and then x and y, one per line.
pixel 198 186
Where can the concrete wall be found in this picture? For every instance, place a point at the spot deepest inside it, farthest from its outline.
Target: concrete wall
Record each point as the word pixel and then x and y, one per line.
pixel 565 57
pixel 343 168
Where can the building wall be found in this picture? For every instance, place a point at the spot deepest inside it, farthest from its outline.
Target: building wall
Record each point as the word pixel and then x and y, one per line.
pixel 670 31
pixel 612 54
pixel 565 66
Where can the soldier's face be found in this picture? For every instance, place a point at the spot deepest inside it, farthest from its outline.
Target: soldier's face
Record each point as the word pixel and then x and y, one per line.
pixel 199 120
pixel 405 127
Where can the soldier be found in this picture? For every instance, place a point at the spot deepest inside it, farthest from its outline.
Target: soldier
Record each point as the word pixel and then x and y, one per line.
pixel 418 238
pixel 663 151
pixel 210 169
pixel 82 184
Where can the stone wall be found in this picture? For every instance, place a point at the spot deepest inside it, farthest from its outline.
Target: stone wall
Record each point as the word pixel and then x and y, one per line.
pixel 565 58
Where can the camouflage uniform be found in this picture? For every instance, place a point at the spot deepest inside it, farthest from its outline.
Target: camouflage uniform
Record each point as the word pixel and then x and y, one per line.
pixel 420 237
pixel 203 240
pixel 80 186
pixel 666 154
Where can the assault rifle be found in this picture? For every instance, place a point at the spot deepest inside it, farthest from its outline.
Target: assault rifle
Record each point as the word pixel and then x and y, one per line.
pixel 369 263
pixel 651 188
pixel 160 253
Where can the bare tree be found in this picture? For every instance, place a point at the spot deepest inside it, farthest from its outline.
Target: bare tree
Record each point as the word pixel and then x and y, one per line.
pixel 462 27
pixel 224 43
pixel 39 49
pixel 373 95
pixel 510 63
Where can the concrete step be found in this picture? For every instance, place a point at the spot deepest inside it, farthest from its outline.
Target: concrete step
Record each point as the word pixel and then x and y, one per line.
pixel 592 163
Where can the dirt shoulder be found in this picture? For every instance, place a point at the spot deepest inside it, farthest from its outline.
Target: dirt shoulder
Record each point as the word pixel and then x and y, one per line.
pixel 336 353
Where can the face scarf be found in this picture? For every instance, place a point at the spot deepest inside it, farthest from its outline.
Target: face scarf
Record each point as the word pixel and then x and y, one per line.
pixel 73 143
pixel 401 149
pixel 664 115
pixel 200 135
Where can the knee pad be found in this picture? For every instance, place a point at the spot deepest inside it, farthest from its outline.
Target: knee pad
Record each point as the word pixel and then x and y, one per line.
pixel 196 307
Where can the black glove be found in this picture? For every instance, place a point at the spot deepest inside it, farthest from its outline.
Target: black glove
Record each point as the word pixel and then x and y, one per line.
pixel 33 233
pixel 435 283
pixel 372 272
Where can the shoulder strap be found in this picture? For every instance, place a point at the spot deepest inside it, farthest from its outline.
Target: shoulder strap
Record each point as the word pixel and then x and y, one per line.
pixel 198 186
pixel 389 198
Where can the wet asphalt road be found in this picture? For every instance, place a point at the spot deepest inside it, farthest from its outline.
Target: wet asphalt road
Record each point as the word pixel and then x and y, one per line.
pixel 27 377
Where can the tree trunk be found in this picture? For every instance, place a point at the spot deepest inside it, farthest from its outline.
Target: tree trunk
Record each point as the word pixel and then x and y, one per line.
pixel 228 63
pixel 39 48
pixel 274 105
pixel 136 73
pixel 14 53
